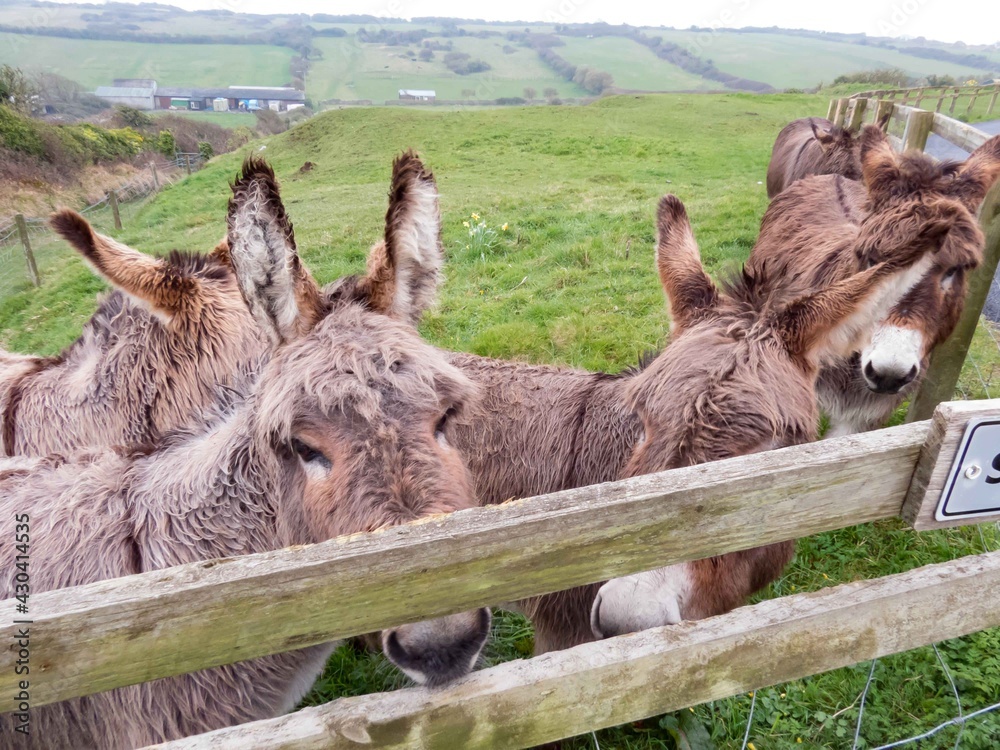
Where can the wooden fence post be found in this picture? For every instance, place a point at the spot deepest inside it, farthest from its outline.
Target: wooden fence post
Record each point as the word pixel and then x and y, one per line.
pixel 993 100
pixel 918 127
pixel 857 115
pixel 831 111
pixel 972 103
pixel 920 96
pixel 883 111
pixel 29 256
pixel 113 201
pixel 156 177
pixel 947 360
pixel 187 162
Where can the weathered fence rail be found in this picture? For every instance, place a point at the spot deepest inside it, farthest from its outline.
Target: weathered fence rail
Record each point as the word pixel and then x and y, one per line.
pixel 134 629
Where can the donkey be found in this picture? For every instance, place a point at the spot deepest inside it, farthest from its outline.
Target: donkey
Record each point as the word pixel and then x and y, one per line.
pixel 538 429
pixel 811 146
pixel 171 340
pixel 739 377
pixel 809 232
pixel 340 434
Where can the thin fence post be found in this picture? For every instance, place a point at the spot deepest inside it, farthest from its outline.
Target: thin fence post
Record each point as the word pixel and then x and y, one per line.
pixel 113 200
pixel 954 98
pixel 29 256
pixel 947 360
pixel 972 102
pixel 920 96
pixel 187 162
pixel 993 100
pixel 156 177
pixel 918 128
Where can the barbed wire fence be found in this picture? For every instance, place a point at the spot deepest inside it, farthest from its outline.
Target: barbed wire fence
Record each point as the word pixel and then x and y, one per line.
pixel 46 250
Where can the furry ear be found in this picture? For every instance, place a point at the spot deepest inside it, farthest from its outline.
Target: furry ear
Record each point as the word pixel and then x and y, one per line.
pixel 825 136
pixel 221 252
pixel 404 270
pixel 162 287
pixel 977 174
pixel 688 288
pixel 879 163
pixel 280 293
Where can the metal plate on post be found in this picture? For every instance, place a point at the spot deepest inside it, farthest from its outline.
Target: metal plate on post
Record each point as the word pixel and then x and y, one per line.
pixel 973 485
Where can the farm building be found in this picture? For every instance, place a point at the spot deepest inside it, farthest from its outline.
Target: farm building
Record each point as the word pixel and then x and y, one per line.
pixel 246 98
pixel 146 94
pixel 139 97
pixel 418 95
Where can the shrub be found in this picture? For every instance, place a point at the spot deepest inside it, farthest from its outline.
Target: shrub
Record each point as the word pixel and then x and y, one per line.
pixel 166 144
pixel 269 122
pixel 132 118
pixel 205 150
pixel 426 54
pixel 18 133
pixel 240 137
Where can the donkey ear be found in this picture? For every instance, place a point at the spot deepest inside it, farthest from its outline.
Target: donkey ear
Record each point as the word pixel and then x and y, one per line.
pixel 824 135
pixel 161 286
pixel 280 293
pixel 879 165
pixel 689 289
pixel 404 270
pixel 978 173
pixel 221 253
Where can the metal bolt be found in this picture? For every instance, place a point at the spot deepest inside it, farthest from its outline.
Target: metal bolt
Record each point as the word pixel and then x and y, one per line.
pixel 973 471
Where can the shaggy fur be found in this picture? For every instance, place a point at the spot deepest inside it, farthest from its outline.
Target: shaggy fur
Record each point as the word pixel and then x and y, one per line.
pixel 337 437
pixel 812 233
pixel 737 380
pixel 161 349
pixel 811 146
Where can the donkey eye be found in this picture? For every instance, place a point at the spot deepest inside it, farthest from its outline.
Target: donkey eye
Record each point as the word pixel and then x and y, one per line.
pixel 950 274
pixel 309 455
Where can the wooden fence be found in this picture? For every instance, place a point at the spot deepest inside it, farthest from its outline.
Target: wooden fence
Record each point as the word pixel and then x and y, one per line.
pixel 134 629
pixel 139 628
pixel 933 95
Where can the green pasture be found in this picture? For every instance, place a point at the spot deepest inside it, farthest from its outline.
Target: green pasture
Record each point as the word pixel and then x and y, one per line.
pixel 571 281
pixel 633 65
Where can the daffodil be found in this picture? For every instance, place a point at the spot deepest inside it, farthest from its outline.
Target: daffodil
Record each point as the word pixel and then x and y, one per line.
pixel 465 224
pixel 475 217
pixel 504 227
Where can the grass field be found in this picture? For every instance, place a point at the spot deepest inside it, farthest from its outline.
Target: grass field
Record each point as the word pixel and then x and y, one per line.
pixel 572 281
pixel 633 65
pixel 352 70
pixel 93 63
pixel 787 61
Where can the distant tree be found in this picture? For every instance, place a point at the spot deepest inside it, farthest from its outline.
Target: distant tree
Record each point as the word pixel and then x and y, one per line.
pixel 468 93
pixel 269 123
pixel 935 81
pixel 240 137
pixel 16 89
pixel 551 93
pixel 205 150
pixel 508 50
pixel 426 54
pixel 132 117
pixel 529 93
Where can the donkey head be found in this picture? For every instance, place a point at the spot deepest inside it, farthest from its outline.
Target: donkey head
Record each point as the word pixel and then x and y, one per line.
pixel 738 377
pixel 353 402
pixel 927 315
pixel 840 150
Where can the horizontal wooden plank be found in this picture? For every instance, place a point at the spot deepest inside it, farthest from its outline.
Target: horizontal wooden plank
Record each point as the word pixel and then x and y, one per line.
pixel 523 703
pixel 966 137
pixel 947 428
pixel 139 628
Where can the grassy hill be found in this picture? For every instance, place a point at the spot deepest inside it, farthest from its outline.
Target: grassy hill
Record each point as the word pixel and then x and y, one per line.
pixel 572 281
pixel 94 62
pixel 633 65
pixel 786 61
pixel 350 69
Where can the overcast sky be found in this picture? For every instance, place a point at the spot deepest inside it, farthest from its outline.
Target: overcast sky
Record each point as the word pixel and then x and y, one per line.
pixel 970 21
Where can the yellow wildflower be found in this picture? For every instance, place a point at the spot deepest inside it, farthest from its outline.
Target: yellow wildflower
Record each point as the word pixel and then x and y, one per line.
pixel 750 745
pixel 475 217
pixel 504 227
pixel 799 740
pixel 465 224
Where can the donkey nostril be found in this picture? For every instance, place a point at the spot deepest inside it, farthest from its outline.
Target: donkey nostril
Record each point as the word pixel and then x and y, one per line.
pixel 595 619
pixel 870 371
pixel 910 375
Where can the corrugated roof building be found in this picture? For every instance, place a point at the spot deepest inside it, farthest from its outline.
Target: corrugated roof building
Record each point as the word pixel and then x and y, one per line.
pixel 139 97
